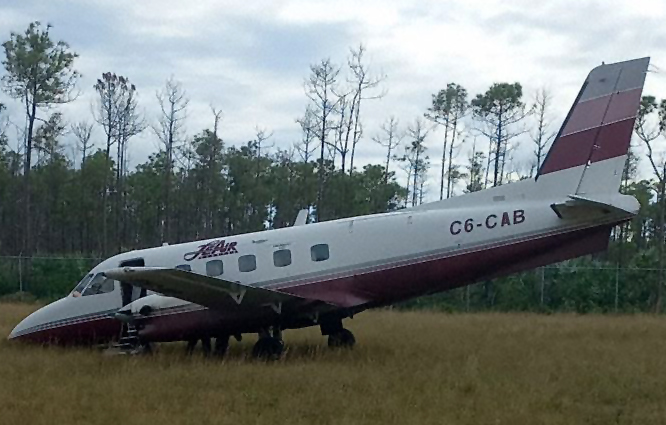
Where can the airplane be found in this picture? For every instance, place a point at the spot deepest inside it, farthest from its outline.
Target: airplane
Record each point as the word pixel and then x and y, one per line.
pixel 322 273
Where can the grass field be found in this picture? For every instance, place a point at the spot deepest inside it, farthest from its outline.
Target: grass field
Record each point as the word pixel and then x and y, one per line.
pixel 408 368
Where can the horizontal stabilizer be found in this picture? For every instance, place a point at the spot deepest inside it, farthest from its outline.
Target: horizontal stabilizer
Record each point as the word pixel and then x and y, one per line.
pixel 203 290
pixel 616 204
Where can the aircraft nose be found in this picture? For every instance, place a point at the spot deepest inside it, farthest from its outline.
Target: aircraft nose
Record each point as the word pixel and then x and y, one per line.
pixel 24 327
pixel 31 325
pixel 69 321
pixel 17 330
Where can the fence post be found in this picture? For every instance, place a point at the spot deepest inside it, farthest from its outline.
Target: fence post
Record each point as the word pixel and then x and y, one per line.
pixel 617 286
pixel 543 282
pixel 20 270
pixel 467 298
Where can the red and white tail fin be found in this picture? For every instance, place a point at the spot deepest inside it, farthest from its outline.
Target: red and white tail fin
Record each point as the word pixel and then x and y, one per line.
pixel 594 139
pixel 585 163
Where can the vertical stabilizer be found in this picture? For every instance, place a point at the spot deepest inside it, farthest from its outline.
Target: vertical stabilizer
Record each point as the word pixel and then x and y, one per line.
pixel 595 136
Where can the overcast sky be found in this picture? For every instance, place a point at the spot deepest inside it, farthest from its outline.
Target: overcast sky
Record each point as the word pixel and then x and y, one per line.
pixel 250 58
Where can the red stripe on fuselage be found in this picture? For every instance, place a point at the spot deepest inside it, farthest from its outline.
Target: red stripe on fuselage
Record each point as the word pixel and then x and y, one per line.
pixel 86 332
pixel 375 286
pixel 436 275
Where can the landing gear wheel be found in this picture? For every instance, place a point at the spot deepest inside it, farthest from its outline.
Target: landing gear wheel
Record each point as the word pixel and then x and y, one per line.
pixel 341 339
pixel 191 344
pixel 147 348
pixel 221 346
pixel 206 347
pixel 268 348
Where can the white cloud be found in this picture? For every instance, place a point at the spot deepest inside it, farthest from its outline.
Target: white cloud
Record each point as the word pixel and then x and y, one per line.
pixel 250 58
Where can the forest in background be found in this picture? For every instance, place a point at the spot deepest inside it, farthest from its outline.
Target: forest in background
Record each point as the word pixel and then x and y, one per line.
pixel 63 209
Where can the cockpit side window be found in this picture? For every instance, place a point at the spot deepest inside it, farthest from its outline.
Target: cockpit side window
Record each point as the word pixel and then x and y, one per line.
pixel 76 292
pixel 99 285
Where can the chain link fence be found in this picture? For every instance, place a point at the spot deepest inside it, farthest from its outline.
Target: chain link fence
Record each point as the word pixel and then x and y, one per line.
pixel 567 286
pixel 42 277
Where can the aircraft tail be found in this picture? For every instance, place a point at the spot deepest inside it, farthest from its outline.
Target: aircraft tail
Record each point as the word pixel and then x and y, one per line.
pixel 590 150
pixel 585 163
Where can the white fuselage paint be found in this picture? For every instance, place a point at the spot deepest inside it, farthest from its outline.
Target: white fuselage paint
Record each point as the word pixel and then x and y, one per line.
pixel 359 244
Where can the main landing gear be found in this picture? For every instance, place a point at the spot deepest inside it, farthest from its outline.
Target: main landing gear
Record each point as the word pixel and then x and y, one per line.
pixel 338 336
pixel 341 339
pixel 269 347
pixel 219 350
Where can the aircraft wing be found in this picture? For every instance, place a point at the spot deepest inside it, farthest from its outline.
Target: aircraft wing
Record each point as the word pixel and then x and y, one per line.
pixel 204 290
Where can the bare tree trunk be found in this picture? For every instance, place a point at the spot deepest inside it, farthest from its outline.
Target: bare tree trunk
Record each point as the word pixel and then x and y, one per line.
pixel 27 247
pixel 105 198
pixel 498 151
pixel 660 244
pixel 449 185
pixel 118 191
pixel 441 182
pixel 27 226
pixel 488 162
pixel 357 133
pixel 416 175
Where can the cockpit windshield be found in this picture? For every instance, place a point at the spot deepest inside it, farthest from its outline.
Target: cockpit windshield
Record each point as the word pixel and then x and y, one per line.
pixel 76 292
pixel 93 285
pixel 99 285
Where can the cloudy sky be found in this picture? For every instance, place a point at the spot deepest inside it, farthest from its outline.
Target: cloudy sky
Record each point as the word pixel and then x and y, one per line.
pixel 250 58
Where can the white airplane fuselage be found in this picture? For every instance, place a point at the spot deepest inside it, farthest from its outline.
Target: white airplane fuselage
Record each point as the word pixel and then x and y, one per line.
pixel 373 260
pixel 341 267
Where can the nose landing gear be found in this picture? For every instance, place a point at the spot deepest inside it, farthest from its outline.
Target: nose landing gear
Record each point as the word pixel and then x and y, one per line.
pixel 269 347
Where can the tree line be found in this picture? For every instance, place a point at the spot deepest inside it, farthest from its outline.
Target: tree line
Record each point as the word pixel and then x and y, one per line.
pixel 93 203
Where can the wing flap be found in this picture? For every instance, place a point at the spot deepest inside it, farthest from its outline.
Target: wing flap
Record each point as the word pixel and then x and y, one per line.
pixel 203 290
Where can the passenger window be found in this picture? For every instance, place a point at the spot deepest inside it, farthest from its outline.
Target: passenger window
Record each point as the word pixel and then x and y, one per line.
pixel 99 285
pixel 247 263
pixel 214 268
pixel 185 267
pixel 282 258
pixel 319 252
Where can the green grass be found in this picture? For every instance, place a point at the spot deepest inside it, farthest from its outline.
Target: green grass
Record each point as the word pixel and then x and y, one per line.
pixel 408 367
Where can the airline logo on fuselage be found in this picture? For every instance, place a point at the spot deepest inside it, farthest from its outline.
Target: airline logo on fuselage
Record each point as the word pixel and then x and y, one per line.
pixel 212 249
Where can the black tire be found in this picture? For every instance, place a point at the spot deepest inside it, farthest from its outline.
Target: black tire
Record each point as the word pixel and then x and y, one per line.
pixel 268 348
pixel 221 346
pixel 341 339
pixel 191 344
pixel 147 348
pixel 206 347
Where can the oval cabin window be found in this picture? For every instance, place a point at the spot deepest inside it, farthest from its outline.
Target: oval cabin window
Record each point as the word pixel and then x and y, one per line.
pixel 282 258
pixel 214 268
pixel 247 263
pixel 319 252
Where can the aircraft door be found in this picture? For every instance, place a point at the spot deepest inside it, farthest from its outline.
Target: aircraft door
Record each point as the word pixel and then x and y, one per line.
pixel 130 293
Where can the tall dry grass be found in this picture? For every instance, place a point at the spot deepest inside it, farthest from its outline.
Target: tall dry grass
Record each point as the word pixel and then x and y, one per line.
pixel 408 368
